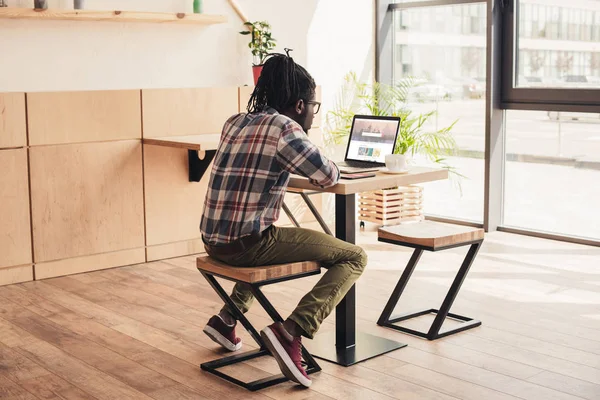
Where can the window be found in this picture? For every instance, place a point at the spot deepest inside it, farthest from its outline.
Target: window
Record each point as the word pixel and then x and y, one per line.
pixel 549 53
pixel 449 70
pixel 552 172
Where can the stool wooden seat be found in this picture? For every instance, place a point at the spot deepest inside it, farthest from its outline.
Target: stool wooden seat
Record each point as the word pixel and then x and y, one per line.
pixel 254 277
pixel 431 236
pixel 256 274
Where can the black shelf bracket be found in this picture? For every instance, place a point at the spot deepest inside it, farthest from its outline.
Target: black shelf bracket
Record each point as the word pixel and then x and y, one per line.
pixel 197 165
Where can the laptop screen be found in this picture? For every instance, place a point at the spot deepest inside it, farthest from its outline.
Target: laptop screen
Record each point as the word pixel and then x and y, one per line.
pixel 372 139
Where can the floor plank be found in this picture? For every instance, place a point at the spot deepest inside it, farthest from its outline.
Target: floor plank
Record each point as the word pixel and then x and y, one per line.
pixel 92 381
pixel 51 387
pixel 11 391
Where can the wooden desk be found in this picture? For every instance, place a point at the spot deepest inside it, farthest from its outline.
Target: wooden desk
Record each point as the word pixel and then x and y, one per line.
pixel 346 346
pixel 380 181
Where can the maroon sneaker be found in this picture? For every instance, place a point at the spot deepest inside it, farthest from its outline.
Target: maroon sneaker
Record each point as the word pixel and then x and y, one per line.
pixel 287 350
pixel 221 333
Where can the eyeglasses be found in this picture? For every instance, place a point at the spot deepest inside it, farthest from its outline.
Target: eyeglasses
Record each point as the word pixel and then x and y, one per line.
pixel 317 105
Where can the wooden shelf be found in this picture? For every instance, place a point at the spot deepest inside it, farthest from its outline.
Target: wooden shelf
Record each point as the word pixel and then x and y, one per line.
pixel 201 150
pixel 193 142
pixel 114 16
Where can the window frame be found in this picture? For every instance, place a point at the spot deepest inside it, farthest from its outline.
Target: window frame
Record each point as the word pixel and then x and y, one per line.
pixel 542 99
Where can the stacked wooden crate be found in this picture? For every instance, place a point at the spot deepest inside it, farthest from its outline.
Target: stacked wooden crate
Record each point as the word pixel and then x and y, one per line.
pixel 392 206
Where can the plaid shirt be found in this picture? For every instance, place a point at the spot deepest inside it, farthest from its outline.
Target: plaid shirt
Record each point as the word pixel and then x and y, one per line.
pixel 251 171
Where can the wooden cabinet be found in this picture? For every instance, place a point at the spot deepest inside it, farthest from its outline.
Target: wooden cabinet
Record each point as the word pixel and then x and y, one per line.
pixel 173 204
pixel 12 120
pixel 77 117
pixel 99 197
pixel 87 199
pixel 15 227
pixel 181 112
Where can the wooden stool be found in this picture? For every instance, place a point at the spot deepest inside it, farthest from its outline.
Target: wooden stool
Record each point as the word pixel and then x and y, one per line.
pixel 431 236
pixel 255 278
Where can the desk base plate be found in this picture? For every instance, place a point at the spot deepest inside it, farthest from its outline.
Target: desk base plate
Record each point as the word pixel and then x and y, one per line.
pixel 367 346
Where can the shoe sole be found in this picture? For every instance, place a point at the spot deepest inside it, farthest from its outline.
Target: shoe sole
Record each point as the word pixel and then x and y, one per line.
pixel 287 366
pixel 220 339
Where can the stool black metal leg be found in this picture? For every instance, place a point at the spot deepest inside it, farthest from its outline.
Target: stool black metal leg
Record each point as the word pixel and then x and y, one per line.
pixel 316 214
pixel 312 365
pixel 434 330
pixel 214 366
pixel 236 311
pixel 393 301
pixel 288 212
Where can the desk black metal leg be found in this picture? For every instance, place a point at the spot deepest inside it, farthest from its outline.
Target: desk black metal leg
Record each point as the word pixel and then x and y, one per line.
pixel 316 214
pixel 345 312
pixel 451 296
pixel 346 346
pixel 290 215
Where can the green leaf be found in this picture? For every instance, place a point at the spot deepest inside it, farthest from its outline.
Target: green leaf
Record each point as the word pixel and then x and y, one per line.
pixel 245 32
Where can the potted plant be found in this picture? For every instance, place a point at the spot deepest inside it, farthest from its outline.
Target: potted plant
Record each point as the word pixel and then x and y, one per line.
pixel 357 97
pixel 260 44
pixel 414 138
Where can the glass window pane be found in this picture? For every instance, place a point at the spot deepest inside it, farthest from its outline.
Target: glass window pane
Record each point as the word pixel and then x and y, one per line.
pixel 556 44
pixel 553 172
pixel 447 61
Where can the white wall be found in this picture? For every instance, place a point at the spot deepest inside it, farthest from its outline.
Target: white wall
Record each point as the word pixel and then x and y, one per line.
pixel 329 37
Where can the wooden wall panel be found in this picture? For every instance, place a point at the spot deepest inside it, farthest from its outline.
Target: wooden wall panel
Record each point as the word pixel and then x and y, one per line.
pixel 76 117
pixel 177 249
pixel 94 262
pixel 179 112
pixel 15 227
pixel 173 204
pixel 22 273
pixel 86 199
pixel 246 92
pixel 12 120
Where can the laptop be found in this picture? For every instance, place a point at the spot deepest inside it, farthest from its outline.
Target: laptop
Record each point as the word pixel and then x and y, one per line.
pixel 371 139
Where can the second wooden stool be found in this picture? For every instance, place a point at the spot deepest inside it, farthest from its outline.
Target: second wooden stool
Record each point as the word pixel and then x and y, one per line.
pixel 431 236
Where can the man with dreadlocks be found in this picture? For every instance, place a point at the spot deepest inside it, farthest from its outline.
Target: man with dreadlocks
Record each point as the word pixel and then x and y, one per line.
pixel 257 152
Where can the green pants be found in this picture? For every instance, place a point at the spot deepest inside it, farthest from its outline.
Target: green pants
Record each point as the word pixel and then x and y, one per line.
pixel 344 262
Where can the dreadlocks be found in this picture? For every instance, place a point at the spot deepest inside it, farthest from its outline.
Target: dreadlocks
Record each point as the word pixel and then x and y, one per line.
pixel 281 84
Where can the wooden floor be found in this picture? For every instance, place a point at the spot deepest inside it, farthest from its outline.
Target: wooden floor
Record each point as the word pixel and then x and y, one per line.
pixel 135 332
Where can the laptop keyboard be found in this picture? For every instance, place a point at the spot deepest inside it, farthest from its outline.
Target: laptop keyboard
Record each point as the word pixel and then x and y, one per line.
pixel 359 164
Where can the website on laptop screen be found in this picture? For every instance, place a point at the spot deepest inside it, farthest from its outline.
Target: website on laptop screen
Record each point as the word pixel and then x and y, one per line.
pixel 371 140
